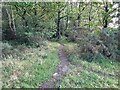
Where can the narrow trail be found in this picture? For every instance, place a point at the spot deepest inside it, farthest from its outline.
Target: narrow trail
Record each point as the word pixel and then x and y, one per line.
pixel 60 72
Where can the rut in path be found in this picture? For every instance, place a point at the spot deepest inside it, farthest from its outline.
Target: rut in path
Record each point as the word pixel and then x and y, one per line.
pixel 61 70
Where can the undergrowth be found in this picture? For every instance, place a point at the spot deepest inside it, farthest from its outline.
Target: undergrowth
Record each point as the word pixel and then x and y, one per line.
pixel 29 67
pixel 100 73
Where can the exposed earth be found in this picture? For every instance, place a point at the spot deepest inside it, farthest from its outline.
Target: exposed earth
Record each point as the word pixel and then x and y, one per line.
pixel 60 72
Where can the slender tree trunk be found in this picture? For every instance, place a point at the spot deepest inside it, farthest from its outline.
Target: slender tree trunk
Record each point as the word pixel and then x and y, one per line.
pixel 25 23
pixel 90 14
pixel 119 26
pixel 106 16
pixel 35 13
pixel 78 18
pixel 11 23
pixel 66 23
pixel 118 46
pixel 80 12
pixel 22 15
pixel 118 33
pixel 58 23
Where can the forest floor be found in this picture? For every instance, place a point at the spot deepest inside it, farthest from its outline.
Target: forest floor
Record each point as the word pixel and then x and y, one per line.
pixel 56 65
pixel 28 67
pixel 62 69
pixel 102 73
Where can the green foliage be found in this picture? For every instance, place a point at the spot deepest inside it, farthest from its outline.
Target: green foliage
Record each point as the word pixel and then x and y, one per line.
pixel 42 17
pixel 29 60
pixel 63 39
pixel 24 4
pixel 6 49
pixel 34 67
pixel 100 73
pixel 6 45
pixel 86 79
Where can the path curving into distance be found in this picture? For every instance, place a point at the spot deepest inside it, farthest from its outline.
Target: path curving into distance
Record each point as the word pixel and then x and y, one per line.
pixel 62 69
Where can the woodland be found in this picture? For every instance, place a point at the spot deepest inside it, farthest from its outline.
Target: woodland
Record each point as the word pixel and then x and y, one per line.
pixel 60 44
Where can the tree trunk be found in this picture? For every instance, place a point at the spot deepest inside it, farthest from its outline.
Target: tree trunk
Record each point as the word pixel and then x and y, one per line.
pixel 90 14
pixel 25 23
pixel 118 35
pixel 12 27
pixel 66 23
pixel 78 18
pixel 35 13
pixel 58 23
pixel 58 26
pixel 106 16
pixel 119 26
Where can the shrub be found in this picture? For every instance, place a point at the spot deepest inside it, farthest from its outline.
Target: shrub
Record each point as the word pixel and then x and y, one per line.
pixel 94 46
pixel 6 49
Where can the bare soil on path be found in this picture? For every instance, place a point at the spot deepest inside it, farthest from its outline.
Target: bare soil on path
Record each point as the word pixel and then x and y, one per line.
pixel 61 70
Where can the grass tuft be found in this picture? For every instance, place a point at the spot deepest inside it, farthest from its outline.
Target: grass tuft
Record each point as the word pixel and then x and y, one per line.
pixel 34 67
pixel 102 73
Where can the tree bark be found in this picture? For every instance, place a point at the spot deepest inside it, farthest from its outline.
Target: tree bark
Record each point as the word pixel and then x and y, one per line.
pixel 58 33
pixel 90 14
pixel 119 26
pixel 78 18
pixel 11 23
pixel 35 13
pixel 106 16
pixel 58 24
pixel 25 23
pixel 80 12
